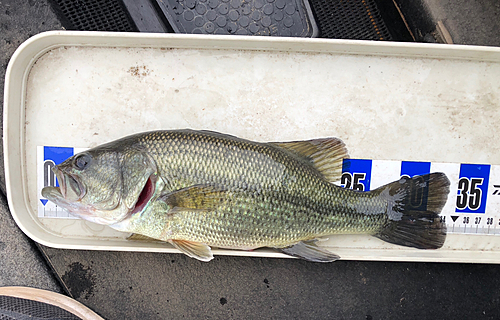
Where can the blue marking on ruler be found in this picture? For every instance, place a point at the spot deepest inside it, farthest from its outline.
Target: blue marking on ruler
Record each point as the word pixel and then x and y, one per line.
pixel 360 171
pixel 44 201
pixel 57 154
pixel 415 168
pixel 472 190
pixel 419 195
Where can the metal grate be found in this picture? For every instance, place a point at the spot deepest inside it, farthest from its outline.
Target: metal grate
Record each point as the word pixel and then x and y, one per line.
pixel 350 19
pixel 12 308
pixel 94 15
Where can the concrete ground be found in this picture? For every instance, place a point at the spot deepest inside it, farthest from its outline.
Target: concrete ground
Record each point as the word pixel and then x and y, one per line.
pixel 120 285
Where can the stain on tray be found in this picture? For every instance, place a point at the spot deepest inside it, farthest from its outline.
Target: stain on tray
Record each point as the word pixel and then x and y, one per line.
pixel 139 71
pixel 80 280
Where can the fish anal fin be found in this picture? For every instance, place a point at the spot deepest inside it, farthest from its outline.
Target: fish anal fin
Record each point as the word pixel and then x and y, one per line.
pixel 195 198
pixel 325 155
pixel 308 250
pixel 193 249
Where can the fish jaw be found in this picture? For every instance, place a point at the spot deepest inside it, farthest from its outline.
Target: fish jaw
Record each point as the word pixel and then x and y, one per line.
pixel 69 194
pixel 55 194
pixel 75 208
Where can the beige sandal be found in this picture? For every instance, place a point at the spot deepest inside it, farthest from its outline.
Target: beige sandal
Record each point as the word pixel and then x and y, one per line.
pixel 24 302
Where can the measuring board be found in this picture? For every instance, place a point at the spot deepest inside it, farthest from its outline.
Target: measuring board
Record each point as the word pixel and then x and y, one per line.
pixel 473 205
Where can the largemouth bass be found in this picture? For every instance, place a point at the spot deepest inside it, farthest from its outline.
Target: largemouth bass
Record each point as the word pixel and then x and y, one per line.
pixel 197 189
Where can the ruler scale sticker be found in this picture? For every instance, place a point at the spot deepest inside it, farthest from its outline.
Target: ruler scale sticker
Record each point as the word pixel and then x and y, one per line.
pixel 473 205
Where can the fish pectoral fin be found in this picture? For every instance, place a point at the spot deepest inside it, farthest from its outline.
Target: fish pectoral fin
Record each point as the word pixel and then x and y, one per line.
pixel 308 250
pixel 197 197
pixel 325 155
pixel 193 249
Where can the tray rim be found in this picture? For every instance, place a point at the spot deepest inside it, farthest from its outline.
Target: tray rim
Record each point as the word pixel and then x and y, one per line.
pixel 32 49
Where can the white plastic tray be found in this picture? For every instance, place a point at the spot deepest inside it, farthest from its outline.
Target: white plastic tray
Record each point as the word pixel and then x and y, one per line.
pixel 396 101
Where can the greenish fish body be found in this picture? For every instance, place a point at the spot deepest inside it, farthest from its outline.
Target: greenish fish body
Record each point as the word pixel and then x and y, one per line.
pixel 197 189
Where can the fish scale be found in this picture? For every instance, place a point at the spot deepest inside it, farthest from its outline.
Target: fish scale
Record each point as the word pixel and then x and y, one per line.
pixel 283 215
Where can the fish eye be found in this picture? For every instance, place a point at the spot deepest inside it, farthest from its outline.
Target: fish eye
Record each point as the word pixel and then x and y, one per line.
pixel 82 161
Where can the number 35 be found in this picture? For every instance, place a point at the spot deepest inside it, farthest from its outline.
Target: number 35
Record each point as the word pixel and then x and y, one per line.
pixel 469 193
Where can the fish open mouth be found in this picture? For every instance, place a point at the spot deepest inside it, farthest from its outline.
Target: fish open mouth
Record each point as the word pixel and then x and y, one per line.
pixel 146 194
pixel 70 187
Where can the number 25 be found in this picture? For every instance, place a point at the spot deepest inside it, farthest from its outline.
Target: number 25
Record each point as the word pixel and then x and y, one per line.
pixel 352 181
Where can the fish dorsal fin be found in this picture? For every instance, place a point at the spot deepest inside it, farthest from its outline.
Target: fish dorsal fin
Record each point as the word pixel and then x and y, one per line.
pixel 197 197
pixel 193 249
pixel 308 250
pixel 325 155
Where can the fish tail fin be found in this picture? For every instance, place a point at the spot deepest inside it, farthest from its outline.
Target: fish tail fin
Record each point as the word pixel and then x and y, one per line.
pixel 413 211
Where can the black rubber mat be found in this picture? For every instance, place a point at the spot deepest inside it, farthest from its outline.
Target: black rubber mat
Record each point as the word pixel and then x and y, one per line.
pixel 248 17
pixel 339 19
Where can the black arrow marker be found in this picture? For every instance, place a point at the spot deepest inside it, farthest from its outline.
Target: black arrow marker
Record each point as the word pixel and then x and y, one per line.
pixel 454 218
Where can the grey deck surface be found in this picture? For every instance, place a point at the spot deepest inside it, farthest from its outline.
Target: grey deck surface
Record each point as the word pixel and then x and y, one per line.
pixel 20 261
pixel 121 285
pixel 469 21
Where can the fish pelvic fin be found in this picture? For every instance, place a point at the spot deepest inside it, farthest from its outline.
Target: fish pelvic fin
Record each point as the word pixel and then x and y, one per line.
pixel 308 250
pixel 325 155
pixel 193 249
pixel 413 211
